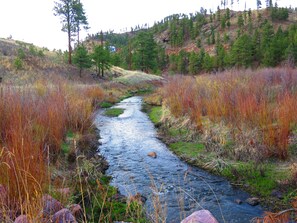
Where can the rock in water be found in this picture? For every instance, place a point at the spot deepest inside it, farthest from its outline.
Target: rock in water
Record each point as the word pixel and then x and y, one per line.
pixel 152 154
pixel 202 216
pixel 238 201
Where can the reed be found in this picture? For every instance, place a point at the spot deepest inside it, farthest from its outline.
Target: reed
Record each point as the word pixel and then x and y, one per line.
pixel 264 100
pixel 34 121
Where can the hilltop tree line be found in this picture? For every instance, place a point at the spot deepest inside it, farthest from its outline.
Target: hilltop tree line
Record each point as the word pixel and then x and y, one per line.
pixel 254 42
pixel 217 46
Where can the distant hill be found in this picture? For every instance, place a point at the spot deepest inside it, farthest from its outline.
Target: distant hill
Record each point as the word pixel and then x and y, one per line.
pixel 204 42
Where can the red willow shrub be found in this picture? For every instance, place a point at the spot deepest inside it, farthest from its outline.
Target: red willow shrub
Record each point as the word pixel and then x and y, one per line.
pixel 33 123
pixel 263 99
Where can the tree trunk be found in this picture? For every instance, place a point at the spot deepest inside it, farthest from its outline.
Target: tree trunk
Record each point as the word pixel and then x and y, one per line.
pixel 69 47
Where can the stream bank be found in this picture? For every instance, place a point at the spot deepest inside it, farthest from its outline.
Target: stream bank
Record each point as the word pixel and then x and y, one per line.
pixel 173 188
pixel 261 180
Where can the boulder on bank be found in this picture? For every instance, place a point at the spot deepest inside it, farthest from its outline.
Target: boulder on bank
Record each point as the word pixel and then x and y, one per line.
pixel 139 198
pixel 50 206
pixel 77 211
pixel 21 219
pixel 152 154
pixel 63 216
pixel 253 201
pixel 202 216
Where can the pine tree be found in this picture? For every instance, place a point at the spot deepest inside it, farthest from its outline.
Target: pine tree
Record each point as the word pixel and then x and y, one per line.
pixel 80 18
pixel 259 4
pixel 101 57
pixel 146 52
pixel 241 51
pixel 70 12
pixel 81 58
pixel 193 59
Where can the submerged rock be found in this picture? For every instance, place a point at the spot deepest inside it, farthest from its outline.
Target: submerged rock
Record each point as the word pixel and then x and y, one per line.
pixel 238 201
pixel 152 154
pixel 202 216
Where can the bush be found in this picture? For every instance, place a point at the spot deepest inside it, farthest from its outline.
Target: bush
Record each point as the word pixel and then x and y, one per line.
pixel 263 101
pixel 18 63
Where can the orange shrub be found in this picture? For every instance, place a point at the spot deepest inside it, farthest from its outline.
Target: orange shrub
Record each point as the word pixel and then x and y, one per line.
pixel 33 124
pixel 263 100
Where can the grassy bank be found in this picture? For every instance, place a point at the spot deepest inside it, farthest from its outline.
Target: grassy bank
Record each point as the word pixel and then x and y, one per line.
pixel 237 125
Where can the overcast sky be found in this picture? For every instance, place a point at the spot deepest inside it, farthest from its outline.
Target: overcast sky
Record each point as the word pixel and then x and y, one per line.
pixel 33 20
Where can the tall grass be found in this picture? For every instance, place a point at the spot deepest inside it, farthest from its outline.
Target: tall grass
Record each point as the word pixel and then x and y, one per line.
pixel 264 101
pixel 33 123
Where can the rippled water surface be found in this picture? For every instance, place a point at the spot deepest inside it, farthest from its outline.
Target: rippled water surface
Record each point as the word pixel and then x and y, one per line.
pixel 126 141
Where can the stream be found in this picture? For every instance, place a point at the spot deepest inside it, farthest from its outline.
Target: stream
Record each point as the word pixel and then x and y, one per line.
pixel 178 188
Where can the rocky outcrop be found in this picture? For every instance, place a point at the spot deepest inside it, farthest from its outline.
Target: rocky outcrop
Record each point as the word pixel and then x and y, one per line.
pixel 202 216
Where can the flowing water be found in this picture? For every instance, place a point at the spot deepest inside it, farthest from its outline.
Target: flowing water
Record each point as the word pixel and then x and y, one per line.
pixel 126 141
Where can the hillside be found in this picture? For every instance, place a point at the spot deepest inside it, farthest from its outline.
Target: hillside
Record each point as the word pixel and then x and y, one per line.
pixel 207 42
pixel 24 63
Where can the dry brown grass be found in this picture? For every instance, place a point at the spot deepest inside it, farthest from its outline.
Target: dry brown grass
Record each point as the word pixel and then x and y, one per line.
pixel 261 103
pixel 34 121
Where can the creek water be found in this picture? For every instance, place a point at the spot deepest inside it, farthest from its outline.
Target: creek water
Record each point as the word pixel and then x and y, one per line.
pixel 181 189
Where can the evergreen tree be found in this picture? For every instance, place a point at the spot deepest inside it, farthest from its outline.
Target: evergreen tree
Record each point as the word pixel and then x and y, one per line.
pixel 193 59
pixel 241 51
pixel 146 52
pixel 80 18
pixel 81 58
pixel 218 13
pixel 102 59
pixel 182 62
pixel 240 21
pixel 259 4
pixel 70 12
pixel 208 63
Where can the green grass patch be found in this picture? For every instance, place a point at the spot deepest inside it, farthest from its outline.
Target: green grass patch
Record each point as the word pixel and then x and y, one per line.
pixel 105 104
pixel 65 147
pixel 189 149
pixel 175 132
pixel 114 112
pixel 126 95
pixel 155 114
pixel 70 134
pixel 262 178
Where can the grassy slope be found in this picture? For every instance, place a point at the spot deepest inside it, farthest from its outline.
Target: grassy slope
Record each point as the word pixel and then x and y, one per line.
pixel 37 64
